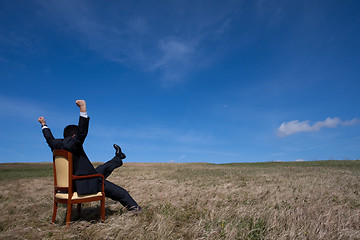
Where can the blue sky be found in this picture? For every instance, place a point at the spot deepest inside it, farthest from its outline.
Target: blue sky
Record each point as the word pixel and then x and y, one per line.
pixel 183 81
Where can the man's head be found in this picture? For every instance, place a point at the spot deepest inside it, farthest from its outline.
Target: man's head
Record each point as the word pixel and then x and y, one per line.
pixel 70 130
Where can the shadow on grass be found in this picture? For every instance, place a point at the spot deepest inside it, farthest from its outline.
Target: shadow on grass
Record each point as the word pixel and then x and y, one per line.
pixel 89 214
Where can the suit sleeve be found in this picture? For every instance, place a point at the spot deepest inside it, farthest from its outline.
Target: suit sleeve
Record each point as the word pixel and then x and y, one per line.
pixel 50 140
pixel 83 128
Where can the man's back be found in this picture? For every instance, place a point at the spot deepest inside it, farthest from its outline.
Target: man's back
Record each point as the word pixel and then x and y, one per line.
pixel 73 144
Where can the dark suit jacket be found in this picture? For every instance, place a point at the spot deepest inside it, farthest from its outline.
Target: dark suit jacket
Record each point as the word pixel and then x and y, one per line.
pixel 81 163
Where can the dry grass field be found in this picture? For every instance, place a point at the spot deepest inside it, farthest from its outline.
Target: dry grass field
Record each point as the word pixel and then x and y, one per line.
pixel 299 200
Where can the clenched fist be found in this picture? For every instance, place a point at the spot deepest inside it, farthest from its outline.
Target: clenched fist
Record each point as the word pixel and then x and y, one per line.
pixel 42 120
pixel 81 104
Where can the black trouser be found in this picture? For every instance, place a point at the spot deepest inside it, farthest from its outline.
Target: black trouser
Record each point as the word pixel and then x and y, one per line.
pixel 112 190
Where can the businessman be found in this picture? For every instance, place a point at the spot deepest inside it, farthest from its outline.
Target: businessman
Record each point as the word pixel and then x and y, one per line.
pixel 74 137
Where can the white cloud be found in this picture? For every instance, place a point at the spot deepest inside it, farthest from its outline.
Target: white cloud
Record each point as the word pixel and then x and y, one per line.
pixel 141 39
pixel 351 122
pixel 299 160
pixel 172 51
pixel 174 59
pixel 292 127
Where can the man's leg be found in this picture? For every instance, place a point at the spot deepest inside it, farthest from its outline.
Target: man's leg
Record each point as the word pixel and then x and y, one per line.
pixel 118 193
pixel 107 168
pixel 112 190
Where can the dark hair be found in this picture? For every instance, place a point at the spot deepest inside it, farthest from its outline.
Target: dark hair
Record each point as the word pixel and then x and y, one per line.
pixel 70 130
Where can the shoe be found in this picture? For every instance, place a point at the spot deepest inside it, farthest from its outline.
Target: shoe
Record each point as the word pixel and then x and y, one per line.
pixel 134 209
pixel 118 152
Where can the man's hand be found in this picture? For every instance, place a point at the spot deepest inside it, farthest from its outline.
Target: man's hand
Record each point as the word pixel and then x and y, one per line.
pixel 82 105
pixel 42 121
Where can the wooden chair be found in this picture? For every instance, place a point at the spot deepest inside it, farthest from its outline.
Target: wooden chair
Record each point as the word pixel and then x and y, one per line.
pixel 63 186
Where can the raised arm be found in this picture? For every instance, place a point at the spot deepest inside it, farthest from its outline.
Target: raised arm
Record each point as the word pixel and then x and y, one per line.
pixel 83 125
pixel 50 140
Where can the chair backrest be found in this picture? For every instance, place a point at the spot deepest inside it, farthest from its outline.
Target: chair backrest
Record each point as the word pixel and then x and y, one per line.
pixel 62 164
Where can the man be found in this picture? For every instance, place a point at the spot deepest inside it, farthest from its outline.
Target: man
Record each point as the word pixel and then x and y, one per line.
pixel 74 137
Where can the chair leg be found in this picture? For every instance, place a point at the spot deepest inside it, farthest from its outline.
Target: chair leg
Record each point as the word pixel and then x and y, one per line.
pixel 54 211
pixel 79 208
pixel 102 209
pixel 68 214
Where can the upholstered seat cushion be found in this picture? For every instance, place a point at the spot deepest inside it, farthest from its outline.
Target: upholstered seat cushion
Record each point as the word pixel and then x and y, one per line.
pixel 77 196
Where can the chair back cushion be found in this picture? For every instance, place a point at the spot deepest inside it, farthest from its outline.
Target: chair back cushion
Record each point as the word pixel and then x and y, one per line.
pixel 62 171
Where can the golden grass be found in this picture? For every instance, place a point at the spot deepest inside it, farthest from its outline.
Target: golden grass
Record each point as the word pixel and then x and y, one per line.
pixel 200 201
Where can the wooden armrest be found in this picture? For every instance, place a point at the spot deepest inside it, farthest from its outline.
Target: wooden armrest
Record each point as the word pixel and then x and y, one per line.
pixel 57 188
pixel 75 177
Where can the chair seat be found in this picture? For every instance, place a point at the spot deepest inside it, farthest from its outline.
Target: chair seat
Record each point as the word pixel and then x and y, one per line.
pixel 77 196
